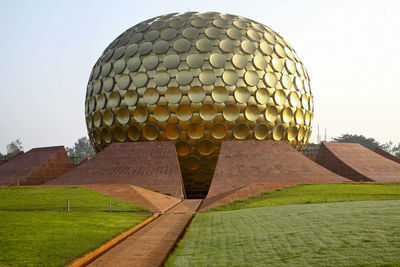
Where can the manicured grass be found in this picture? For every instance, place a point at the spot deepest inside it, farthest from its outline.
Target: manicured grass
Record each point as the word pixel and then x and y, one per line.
pixel 36 229
pixel 55 199
pixel 317 194
pixel 48 238
pixel 359 233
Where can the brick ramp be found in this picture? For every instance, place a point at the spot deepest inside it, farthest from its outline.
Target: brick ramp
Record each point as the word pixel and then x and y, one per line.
pixel 247 168
pixel 150 165
pixel 387 155
pixel 358 163
pixel 151 245
pixel 155 202
pixel 35 167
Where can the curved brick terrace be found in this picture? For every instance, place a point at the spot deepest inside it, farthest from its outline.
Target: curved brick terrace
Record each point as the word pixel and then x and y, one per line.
pixel 387 155
pixel 358 163
pixel 35 167
pixel 247 168
pixel 151 165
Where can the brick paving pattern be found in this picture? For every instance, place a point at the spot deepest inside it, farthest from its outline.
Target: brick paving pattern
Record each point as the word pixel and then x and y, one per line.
pixel 155 202
pixel 247 168
pixel 387 155
pixel 151 165
pixel 35 167
pixel 358 163
pixel 151 245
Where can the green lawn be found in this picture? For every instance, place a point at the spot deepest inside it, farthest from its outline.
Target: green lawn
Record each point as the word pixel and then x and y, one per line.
pixel 359 233
pixel 317 194
pixel 55 199
pixel 36 229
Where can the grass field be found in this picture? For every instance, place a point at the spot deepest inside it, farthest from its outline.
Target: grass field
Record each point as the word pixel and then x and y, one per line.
pixel 55 199
pixel 35 229
pixel 317 194
pixel 359 233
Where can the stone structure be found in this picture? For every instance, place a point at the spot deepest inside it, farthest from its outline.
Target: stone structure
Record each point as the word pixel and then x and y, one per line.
pixel 357 163
pixel 151 165
pixel 197 79
pixel 247 168
pixel 37 166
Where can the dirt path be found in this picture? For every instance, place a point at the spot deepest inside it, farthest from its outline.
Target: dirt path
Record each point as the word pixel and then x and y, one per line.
pixel 151 245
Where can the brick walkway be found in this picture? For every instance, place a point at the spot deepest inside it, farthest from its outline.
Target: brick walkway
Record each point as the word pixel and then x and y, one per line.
pixel 151 245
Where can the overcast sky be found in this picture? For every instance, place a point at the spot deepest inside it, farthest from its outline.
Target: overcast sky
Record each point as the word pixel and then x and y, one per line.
pixel 48 48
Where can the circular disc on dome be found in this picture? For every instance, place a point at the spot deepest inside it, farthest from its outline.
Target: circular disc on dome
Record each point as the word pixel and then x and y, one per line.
pixel 97 119
pixel 184 77
pixel 204 45
pixel 208 112
pixel 108 117
pixel 194 61
pixel 230 77
pixel 226 45
pixel 294 99
pixel 279 97
pixel 230 112
pixel 150 62
pixel 106 135
pixel 131 50
pixel 251 78
pixel 113 100
pixel 278 132
pixel 266 48
pixel 101 101
pixel 161 78
pixel 106 69
pixel 205 147
pixel 199 22
pixel 172 131
pixel 140 79
pixel 252 112
pixel 261 131
pixel 151 95
pixel 262 96
pixel 300 134
pixel 123 81
pixel 130 97
pixel 234 33
pixel 195 130
pixel 279 50
pixel 220 23
pixel 196 94
pixel 123 116
pixel 287 115
pixel 133 133
pixel 219 130
pixel 97 86
pixel 119 134
pixel 277 64
pixel 151 35
pixel 248 47
pixel 271 114
pixel 217 60
pixel 219 94
pixel 299 117
pixel 134 63
pixel 168 34
pixel 181 45
pixel 150 132
pixel 239 61
pixel 119 65
pixel 270 79
pixel 145 48
pixel 207 77
pixel 184 112
pixel 190 33
pixel 173 95
pixel 292 133
pixel 286 81
pixel 183 148
pixel 242 94
pixel 140 114
pixel 260 62
pixel 212 32
pixel 171 61
pixel 161 113
pixel 192 163
pixel 253 35
pixel 241 131
pixel 160 47
pixel 108 84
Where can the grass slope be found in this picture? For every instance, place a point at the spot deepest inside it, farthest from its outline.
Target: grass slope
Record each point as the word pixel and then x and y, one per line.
pixel 317 194
pixel 55 199
pixel 35 229
pixel 329 234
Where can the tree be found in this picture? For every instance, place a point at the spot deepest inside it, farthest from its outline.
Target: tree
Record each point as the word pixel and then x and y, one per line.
pixel 396 150
pixel 81 150
pixel 369 143
pixel 14 148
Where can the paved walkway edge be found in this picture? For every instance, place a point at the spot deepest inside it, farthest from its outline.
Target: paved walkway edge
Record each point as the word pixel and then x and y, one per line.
pixel 179 237
pixel 91 256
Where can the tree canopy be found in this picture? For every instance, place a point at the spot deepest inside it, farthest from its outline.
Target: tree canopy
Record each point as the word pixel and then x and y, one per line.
pixel 81 150
pixel 13 149
pixel 369 143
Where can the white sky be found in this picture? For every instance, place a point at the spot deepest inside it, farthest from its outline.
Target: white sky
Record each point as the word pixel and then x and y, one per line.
pixel 48 48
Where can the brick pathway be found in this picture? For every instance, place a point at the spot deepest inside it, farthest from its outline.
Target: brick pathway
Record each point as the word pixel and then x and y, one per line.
pixel 150 245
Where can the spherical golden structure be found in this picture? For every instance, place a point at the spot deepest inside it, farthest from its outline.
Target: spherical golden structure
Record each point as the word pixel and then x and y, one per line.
pixel 197 79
